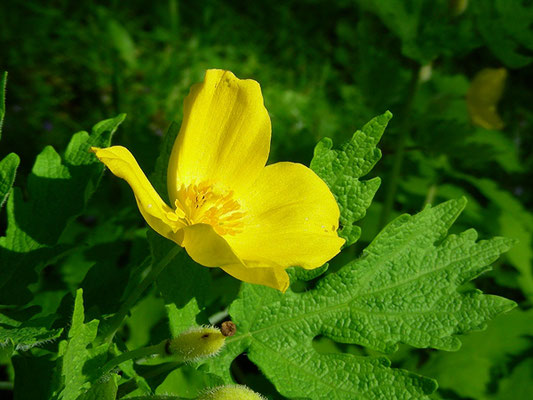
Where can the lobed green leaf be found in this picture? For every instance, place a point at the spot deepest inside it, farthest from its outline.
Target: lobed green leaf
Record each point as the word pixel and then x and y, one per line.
pixel 78 362
pixel 25 335
pixel 404 288
pixel 342 169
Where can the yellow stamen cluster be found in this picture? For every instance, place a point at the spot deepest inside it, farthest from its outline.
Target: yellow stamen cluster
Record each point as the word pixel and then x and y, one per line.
pixel 204 204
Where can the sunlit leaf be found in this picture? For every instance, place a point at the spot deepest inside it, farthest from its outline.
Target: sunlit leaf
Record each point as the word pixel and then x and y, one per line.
pixel 403 289
pixel 342 169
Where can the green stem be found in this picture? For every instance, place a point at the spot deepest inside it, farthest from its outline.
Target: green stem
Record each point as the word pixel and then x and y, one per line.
pixel 118 318
pixel 432 192
pixel 143 352
pixel 131 385
pixel 392 182
pixel 6 385
pixel 174 17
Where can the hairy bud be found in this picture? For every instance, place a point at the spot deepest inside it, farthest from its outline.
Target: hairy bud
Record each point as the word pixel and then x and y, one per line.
pixel 231 392
pixel 196 343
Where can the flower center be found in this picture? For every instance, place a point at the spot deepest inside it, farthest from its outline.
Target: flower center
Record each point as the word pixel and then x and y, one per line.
pixel 204 204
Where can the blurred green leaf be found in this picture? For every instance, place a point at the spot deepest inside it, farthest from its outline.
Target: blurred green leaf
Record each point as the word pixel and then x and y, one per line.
pixel 122 42
pixel 519 384
pixel 513 221
pixel 149 311
pixel 159 176
pixel 187 382
pixel 483 355
pixel 505 25
pixel 495 146
pixel 34 377
pixel 341 170
pixel 184 284
pixel 57 192
pixel 427 29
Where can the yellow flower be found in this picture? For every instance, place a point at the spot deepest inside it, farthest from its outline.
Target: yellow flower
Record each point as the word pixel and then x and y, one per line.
pixel 228 209
pixel 483 96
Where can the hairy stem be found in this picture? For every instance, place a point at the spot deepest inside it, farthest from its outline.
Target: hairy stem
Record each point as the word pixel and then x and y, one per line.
pixel 131 385
pixel 143 352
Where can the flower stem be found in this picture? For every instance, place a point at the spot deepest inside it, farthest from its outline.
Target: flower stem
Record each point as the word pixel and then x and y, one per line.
pixel 404 124
pixel 131 385
pixel 143 352
pixel 432 192
pixel 118 318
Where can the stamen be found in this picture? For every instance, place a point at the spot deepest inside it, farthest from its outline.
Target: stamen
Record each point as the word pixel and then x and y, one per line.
pixel 205 204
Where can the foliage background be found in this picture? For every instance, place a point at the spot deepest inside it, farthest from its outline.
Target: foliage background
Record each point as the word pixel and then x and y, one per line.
pixel 326 68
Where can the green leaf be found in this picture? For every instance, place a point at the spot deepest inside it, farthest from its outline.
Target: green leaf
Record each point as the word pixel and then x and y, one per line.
pixel 427 29
pixel 283 351
pixel 496 146
pixel 298 273
pixel 23 336
pixel 3 82
pixel 122 42
pixel 159 177
pixel 184 285
pixel 106 390
pixel 33 377
pixel 57 191
pixel 79 362
pixel 506 27
pixel 187 382
pixel 518 385
pixel 342 169
pixel 8 170
pixel 469 370
pixel 513 221
pixel 146 314
pixel 404 288
pixel 162 397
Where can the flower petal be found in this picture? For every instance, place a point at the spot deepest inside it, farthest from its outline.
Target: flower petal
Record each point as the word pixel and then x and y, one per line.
pixel 291 219
pixel 154 210
pixel 483 96
pixel 208 248
pixel 224 137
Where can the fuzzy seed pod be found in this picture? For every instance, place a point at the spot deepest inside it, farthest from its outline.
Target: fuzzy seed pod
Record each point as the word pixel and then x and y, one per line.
pixel 196 344
pixel 231 392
